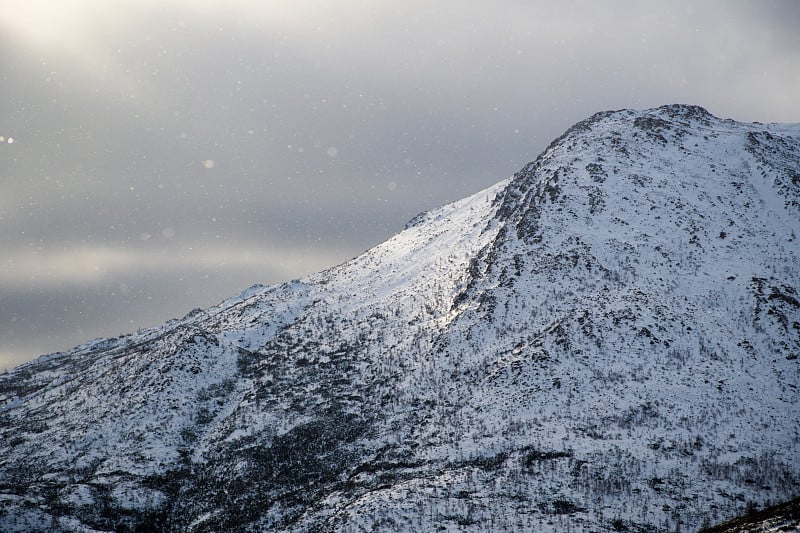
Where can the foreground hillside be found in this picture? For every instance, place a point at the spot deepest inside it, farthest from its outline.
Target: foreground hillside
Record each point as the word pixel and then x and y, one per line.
pixel 607 341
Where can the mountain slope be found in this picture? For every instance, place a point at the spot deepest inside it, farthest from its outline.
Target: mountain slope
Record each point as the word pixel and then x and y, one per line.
pixel 607 340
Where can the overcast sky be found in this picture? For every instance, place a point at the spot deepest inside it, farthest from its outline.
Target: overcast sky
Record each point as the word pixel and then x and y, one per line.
pixel 161 155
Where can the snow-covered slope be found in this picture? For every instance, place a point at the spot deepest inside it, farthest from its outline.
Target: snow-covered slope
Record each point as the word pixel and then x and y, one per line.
pixel 607 341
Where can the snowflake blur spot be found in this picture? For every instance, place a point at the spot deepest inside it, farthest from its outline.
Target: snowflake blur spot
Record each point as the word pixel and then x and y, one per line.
pixel 209 163
pixel 333 151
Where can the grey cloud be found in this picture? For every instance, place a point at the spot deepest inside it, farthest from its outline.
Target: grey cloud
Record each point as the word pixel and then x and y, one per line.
pixel 326 125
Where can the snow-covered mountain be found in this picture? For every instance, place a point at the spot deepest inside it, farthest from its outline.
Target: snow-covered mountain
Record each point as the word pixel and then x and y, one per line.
pixel 606 341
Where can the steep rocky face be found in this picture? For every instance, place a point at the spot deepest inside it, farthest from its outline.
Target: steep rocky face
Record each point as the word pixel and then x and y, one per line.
pixel 607 340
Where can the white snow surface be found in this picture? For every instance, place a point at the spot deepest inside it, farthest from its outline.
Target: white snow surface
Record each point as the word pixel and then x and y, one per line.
pixel 606 341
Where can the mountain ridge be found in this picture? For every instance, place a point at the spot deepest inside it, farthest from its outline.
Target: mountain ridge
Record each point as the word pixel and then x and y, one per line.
pixel 607 339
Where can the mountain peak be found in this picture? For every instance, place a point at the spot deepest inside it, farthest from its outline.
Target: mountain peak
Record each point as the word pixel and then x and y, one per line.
pixel 607 340
pixel 686 111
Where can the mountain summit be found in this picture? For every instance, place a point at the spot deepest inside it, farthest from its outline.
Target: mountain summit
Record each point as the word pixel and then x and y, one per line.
pixel 607 341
